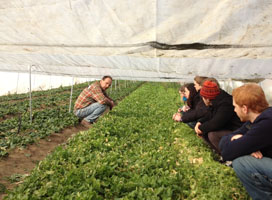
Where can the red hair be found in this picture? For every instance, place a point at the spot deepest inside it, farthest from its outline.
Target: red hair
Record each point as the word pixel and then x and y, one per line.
pixel 252 96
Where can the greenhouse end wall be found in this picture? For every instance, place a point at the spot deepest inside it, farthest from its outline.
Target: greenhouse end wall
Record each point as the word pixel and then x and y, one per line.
pixel 17 83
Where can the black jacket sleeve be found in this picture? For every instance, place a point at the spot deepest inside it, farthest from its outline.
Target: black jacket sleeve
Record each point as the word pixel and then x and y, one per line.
pixel 195 114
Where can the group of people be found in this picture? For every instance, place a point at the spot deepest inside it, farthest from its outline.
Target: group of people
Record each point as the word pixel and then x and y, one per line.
pixel 238 127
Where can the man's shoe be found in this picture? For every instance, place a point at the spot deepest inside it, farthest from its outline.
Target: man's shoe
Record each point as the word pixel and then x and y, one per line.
pixel 228 163
pixel 86 124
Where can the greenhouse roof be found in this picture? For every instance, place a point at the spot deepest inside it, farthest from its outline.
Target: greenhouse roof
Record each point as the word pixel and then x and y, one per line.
pixel 156 40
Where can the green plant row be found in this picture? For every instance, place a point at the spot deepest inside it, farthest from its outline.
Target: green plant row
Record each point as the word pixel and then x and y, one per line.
pixel 134 152
pixel 19 131
pixel 53 98
pixel 47 102
pixel 44 123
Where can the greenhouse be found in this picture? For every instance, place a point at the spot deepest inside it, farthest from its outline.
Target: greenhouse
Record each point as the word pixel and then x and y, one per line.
pixel 52 50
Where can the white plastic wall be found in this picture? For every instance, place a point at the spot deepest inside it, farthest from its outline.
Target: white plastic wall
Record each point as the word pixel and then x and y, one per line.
pixel 16 83
pixel 229 85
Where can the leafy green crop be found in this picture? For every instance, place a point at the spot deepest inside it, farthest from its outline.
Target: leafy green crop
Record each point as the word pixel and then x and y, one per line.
pixel 50 115
pixel 134 152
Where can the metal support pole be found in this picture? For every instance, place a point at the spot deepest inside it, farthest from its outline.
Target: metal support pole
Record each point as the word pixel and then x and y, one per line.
pixel 71 95
pixel 232 86
pixel 17 83
pixel 115 84
pixel 70 4
pixel 30 96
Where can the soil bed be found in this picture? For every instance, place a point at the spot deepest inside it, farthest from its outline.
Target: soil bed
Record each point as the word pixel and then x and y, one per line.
pixel 22 160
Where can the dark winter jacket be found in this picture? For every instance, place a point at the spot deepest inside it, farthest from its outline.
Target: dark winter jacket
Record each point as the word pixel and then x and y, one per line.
pixel 221 115
pixel 257 136
pixel 195 113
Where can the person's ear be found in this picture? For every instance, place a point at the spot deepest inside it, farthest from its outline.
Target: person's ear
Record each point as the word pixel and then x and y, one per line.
pixel 245 109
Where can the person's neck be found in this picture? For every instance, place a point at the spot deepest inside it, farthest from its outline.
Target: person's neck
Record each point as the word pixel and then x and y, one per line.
pixel 253 116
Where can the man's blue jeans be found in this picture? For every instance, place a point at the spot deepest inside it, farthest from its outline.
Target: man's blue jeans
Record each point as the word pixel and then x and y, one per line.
pixel 91 112
pixel 256 175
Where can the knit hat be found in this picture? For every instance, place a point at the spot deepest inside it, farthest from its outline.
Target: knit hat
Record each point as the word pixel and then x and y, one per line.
pixel 209 90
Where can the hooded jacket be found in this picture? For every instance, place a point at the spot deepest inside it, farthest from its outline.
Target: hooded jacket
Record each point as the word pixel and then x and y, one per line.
pixel 257 136
pixel 221 115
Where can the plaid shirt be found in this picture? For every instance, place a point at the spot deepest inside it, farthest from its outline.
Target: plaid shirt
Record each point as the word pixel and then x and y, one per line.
pixel 93 93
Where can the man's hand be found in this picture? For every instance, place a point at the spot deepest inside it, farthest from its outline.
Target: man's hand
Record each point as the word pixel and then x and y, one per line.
pixel 197 130
pixel 235 137
pixel 179 110
pixel 111 104
pixel 257 155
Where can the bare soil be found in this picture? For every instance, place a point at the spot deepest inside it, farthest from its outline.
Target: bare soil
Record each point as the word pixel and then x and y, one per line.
pixel 23 160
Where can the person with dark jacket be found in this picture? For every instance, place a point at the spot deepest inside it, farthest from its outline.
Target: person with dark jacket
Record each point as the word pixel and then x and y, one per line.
pixel 196 107
pixel 221 118
pixel 201 109
pixel 193 115
pixel 250 147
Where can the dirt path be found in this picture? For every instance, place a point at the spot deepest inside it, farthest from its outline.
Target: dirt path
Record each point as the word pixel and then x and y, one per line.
pixel 22 161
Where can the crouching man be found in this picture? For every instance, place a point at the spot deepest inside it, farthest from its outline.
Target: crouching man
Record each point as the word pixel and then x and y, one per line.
pixel 250 147
pixel 93 101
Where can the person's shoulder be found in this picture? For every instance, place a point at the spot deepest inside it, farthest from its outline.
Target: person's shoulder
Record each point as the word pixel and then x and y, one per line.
pixel 223 93
pixel 224 97
pixel 267 114
pixel 268 110
pixel 264 121
pixel 95 84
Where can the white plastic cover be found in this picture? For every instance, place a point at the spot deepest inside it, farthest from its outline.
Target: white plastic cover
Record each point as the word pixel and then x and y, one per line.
pixel 92 38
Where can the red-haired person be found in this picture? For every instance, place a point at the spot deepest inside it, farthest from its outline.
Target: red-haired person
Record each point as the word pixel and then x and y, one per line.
pixel 221 118
pixel 250 147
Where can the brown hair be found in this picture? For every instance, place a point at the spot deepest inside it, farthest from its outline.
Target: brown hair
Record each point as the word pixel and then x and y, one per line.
pixel 252 96
pixel 104 77
pixel 182 88
pixel 199 79
pixel 193 93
